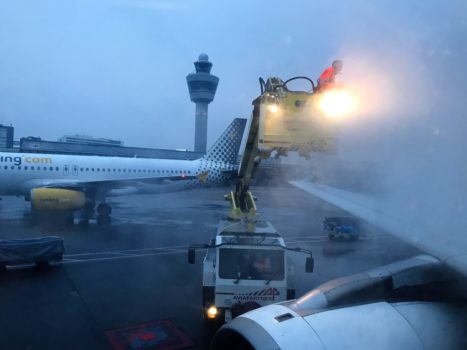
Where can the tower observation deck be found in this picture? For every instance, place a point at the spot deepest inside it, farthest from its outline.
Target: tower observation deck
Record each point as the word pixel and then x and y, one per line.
pixel 202 87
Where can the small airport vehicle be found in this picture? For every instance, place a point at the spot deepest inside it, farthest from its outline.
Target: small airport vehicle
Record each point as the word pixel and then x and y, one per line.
pixel 246 266
pixel 39 251
pixel 341 228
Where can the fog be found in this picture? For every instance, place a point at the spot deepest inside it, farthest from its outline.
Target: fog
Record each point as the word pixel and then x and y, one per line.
pixel 411 123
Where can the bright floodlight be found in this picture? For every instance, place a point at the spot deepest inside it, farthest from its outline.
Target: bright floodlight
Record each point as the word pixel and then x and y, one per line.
pixel 338 103
pixel 212 312
pixel 273 107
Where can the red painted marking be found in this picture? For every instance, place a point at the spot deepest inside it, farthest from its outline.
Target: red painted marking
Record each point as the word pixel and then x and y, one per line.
pixel 147 336
pixel 175 340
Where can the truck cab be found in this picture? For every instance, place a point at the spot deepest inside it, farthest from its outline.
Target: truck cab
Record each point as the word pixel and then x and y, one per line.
pixel 246 266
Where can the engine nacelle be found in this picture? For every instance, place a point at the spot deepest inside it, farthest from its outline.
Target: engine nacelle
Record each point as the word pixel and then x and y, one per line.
pixel 47 199
pixel 354 312
pixel 408 325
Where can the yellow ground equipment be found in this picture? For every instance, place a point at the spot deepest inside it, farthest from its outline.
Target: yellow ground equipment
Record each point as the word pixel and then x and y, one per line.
pixel 282 121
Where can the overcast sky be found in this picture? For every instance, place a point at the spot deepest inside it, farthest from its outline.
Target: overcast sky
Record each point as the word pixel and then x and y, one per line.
pixel 116 68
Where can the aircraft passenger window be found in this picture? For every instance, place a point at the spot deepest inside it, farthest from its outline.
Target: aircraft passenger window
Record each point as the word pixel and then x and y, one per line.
pixel 98 169
pixel 19 167
pixel 139 170
pixel 144 170
pixel 51 168
pixel 44 168
pixel 124 170
pixel 32 168
pixel 25 168
pixel 92 169
pixel 81 169
pixel 56 168
pixel 109 170
pixel 5 167
pixel 119 170
pixel 87 169
pixel 12 167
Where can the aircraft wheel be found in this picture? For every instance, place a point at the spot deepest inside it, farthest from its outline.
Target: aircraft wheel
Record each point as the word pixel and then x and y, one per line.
pixel 103 220
pixel 104 209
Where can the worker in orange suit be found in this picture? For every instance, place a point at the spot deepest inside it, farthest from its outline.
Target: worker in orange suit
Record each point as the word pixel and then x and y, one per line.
pixel 329 74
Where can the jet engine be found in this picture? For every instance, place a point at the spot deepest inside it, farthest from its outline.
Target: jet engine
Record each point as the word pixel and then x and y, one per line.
pixel 51 199
pixel 411 304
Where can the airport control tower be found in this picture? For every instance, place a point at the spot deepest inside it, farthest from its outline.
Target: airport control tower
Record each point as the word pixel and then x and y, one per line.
pixel 202 86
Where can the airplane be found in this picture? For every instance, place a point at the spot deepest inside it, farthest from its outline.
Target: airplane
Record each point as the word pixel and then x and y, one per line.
pixel 417 303
pixel 53 182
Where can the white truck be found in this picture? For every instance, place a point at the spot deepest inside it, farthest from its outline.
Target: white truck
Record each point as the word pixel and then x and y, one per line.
pixel 245 267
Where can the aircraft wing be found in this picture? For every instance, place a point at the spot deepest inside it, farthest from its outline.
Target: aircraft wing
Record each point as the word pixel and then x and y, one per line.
pixel 449 247
pixel 417 303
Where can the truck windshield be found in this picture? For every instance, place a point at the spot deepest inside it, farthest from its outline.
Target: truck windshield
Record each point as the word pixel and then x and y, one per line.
pixel 253 264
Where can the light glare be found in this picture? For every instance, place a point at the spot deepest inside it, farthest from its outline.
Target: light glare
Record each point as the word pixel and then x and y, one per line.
pixel 338 103
pixel 212 312
pixel 273 107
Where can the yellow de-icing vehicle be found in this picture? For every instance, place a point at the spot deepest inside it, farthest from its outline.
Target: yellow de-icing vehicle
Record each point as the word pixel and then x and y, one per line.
pixel 282 121
pixel 246 265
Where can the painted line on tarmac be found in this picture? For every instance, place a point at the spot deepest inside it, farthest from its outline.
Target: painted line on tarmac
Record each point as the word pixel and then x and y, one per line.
pixel 178 247
pixel 120 257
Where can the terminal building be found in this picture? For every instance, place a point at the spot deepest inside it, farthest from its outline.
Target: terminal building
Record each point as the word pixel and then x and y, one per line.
pixel 37 145
pixel 88 140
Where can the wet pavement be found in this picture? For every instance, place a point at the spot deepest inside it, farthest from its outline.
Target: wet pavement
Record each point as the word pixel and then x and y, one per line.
pixel 130 281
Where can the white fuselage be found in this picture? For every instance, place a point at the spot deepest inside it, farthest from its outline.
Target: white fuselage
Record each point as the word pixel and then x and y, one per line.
pixel 21 172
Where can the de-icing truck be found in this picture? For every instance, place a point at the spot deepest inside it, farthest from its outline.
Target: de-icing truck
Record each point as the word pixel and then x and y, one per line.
pixel 245 268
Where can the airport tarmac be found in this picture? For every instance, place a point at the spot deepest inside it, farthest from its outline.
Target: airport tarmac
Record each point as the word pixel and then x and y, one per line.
pixel 134 273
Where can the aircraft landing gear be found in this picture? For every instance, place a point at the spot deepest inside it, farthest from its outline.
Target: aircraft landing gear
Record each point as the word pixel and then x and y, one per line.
pixel 103 220
pixel 103 209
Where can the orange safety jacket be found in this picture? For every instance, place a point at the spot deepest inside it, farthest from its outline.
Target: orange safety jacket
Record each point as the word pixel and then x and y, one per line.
pixel 328 76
